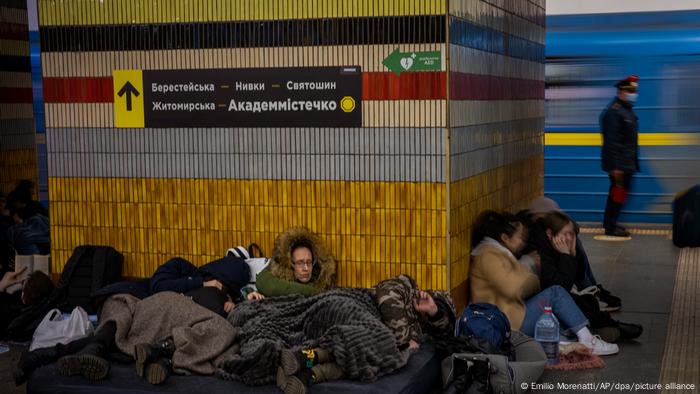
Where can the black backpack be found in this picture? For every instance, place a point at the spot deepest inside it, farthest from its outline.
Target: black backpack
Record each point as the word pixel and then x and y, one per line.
pixel 686 218
pixel 88 269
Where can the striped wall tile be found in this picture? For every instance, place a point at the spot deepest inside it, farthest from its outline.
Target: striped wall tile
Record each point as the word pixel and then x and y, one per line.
pixel 249 34
pixel 13 15
pixel 16 164
pixel 468 34
pixel 101 64
pixel 474 61
pixel 487 87
pixel 153 219
pixel 466 139
pixel 15 95
pixel 14 63
pixel 468 164
pixel 14 48
pixel 467 113
pixel 492 16
pixel 312 154
pixel 57 12
pixel 13 31
pixel 385 113
pixel 10 142
pixel 272 141
pixel 16 111
pixel 533 11
pixel 16 126
pixel 15 79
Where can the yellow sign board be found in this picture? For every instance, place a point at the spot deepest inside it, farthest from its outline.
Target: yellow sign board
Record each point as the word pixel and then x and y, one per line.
pixel 128 98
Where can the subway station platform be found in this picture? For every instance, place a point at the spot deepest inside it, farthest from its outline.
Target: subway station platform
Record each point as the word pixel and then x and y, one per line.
pixel 660 288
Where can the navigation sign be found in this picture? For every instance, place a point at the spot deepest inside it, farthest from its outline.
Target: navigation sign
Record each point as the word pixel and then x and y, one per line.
pixel 128 89
pixel 256 97
pixel 399 62
pixel 128 98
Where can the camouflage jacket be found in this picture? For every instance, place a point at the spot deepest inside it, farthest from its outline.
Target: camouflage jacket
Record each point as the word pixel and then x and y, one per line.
pixel 395 301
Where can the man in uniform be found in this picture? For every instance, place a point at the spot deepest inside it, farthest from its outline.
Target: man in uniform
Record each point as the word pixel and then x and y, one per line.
pixel 620 156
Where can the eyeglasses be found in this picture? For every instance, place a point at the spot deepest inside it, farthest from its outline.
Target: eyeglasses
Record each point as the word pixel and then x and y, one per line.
pixel 304 263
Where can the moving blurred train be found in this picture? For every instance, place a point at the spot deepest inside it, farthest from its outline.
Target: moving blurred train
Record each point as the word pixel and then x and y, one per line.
pixel 585 55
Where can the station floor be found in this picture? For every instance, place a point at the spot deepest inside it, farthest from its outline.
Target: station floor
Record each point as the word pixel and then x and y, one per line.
pixel 660 288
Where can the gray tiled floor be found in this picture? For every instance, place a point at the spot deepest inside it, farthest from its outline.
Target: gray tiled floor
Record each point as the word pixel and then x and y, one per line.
pixel 642 272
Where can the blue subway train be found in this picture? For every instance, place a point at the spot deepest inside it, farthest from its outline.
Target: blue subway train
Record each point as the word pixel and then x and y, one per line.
pixel 585 55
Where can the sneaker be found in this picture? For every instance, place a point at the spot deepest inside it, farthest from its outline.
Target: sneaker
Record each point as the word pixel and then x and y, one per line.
pixel 600 347
pixel 608 334
pixel 607 301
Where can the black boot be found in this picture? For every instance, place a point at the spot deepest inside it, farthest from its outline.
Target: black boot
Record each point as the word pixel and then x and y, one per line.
pixel 30 361
pixel 293 361
pixel 630 331
pixel 145 353
pixel 158 371
pixel 88 362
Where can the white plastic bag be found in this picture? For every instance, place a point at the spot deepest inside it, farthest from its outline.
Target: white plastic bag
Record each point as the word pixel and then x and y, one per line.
pixel 54 329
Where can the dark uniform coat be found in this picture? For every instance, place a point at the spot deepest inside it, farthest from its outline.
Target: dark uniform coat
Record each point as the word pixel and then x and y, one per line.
pixel 619 126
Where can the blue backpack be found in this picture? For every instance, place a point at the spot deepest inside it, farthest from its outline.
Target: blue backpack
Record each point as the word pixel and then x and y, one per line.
pixel 486 323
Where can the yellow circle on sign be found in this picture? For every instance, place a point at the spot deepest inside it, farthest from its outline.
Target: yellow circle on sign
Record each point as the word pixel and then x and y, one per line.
pixel 347 104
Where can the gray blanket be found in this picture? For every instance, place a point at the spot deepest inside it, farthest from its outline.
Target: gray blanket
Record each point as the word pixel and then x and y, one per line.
pixel 344 321
pixel 201 337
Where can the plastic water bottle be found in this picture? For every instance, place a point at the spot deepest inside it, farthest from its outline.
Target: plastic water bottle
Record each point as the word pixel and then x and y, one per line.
pixel 547 334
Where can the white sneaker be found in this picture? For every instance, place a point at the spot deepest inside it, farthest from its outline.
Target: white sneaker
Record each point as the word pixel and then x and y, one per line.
pixel 600 347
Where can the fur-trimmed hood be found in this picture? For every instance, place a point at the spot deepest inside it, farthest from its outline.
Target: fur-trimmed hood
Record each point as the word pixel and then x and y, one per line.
pixel 323 274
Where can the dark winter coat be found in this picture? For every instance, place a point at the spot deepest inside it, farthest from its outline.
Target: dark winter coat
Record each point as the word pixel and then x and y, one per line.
pixel 618 124
pixel 181 276
pixel 557 268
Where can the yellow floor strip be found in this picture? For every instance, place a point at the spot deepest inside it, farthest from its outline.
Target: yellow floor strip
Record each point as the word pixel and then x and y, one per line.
pixel 634 231
pixel 681 363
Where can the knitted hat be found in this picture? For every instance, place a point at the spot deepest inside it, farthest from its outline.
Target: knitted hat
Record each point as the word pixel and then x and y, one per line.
pixel 238 251
pixel 544 205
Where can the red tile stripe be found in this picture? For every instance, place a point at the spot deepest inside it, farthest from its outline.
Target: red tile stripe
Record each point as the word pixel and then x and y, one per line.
pixel 15 95
pixel 487 87
pixel 407 86
pixel 14 31
pixel 78 90
pixel 375 86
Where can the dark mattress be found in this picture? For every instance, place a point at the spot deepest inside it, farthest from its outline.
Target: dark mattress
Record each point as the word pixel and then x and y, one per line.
pixel 420 375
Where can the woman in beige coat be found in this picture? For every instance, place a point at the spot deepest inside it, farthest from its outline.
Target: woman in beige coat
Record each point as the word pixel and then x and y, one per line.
pixel 496 277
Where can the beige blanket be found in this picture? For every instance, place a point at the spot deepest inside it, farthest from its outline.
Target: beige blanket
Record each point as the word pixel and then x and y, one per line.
pixel 201 337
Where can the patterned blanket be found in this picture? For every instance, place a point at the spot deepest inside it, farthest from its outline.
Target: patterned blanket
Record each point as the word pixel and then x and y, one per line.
pixel 344 321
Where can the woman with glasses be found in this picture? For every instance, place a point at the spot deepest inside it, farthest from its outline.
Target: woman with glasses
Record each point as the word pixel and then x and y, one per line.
pixel 300 264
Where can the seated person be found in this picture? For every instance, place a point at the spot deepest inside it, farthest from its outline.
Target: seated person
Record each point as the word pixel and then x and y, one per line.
pixel 300 264
pixel 555 238
pixel 30 233
pixel 412 314
pixel 539 208
pixel 496 277
pixel 37 287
